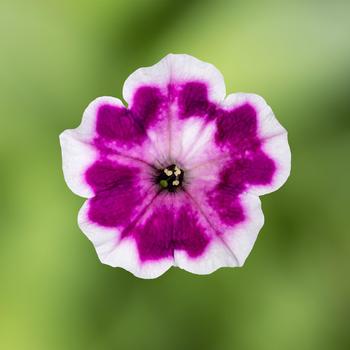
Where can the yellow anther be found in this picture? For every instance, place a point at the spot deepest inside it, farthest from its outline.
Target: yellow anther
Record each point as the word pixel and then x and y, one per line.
pixel 177 171
pixel 168 172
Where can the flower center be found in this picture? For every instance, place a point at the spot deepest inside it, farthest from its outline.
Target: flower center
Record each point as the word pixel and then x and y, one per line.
pixel 170 178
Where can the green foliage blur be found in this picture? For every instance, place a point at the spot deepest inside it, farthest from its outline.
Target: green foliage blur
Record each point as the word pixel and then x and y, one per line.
pixel 292 293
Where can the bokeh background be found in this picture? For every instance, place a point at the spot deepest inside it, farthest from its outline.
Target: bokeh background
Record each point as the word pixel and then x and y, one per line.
pixel 294 290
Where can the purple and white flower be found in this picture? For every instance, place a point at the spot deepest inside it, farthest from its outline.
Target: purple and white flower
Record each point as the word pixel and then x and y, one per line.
pixel 174 179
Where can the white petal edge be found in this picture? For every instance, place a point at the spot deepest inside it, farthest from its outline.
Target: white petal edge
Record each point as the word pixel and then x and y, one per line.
pixel 176 68
pixel 274 136
pixel 87 128
pixel 242 237
pixel 217 255
pixel 78 154
pixel 233 247
pixel 121 253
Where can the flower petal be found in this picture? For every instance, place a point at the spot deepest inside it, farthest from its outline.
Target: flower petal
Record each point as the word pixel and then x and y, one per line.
pixel 171 223
pixel 235 219
pixel 216 254
pixel 263 141
pixel 118 130
pixel 117 252
pixel 177 87
pixel 122 194
pixel 175 228
pixel 107 129
pixel 120 191
pixel 76 158
pixel 241 237
pixel 176 69
pixel 78 150
pixel 170 231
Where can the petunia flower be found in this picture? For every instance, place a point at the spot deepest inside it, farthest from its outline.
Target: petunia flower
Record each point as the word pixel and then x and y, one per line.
pixel 174 179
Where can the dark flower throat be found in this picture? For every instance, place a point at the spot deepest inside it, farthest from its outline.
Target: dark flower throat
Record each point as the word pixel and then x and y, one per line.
pixel 170 178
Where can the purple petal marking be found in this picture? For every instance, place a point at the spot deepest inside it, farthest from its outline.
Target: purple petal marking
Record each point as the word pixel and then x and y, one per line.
pixel 238 128
pixel 147 105
pixel 165 231
pixel 249 165
pixel 193 101
pixel 128 126
pixel 154 237
pixel 258 169
pixel 227 205
pixel 234 179
pixel 118 124
pixel 104 175
pixel 189 235
pixel 113 208
pixel 117 193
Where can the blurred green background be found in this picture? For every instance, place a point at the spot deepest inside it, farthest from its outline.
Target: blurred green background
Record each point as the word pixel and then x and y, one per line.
pixel 294 290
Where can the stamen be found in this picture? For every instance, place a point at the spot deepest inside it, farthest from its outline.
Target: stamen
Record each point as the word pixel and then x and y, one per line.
pixel 177 171
pixel 168 172
pixel 170 178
